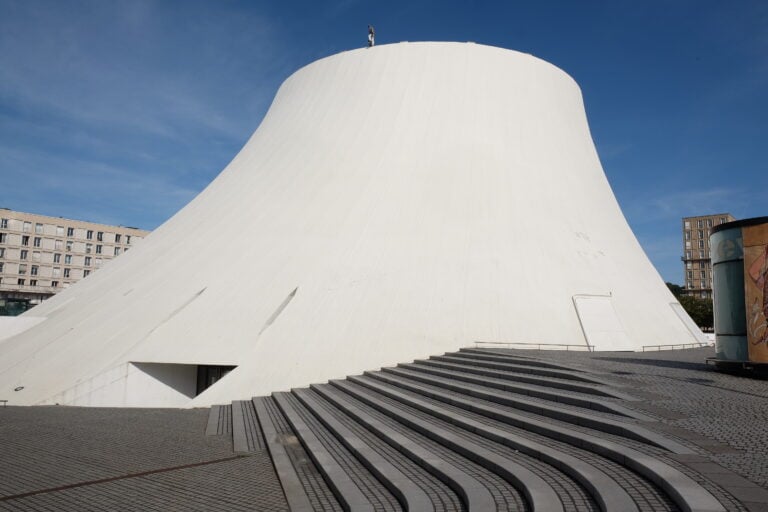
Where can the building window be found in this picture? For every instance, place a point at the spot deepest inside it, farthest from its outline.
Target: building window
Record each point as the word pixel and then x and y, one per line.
pixel 117 238
pixel 98 249
pixel 722 220
pixel 699 223
pixel 690 274
pixel 38 228
pixel 701 244
pixel 22 269
pixel 3 238
pixel 70 231
pixel 87 261
pixel 56 271
pixel 687 244
pixel 23 254
pixel 33 282
pixel 127 239
pixel 35 255
pixel 687 224
pixel 88 248
pixel 69 245
pixel 1 267
pixel 59 230
pixel 33 270
pixel 58 244
pixel 2 252
pixel 20 281
pixel 25 240
pixel 709 223
pixel 701 254
pixel 117 251
pixel 27 227
pixel 86 273
pixel 89 234
pixel 67 259
pixel 54 284
pixel 689 265
pixel 701 233
pixel 690 285
pixel 100 236
pixel 703 274
pixel 3 223
pixel 66 272
pixel 37 241
pixel 97 262
pixel 57 258
pixel 687 255
pixel 687 235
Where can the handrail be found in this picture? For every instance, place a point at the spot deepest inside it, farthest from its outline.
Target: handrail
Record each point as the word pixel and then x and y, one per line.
pixel 536 346
pixel 676 346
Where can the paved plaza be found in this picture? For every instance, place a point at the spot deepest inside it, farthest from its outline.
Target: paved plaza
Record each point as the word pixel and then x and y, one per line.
pixel 66 458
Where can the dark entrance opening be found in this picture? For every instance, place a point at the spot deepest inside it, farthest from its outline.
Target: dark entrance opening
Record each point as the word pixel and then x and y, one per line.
pixel 208 375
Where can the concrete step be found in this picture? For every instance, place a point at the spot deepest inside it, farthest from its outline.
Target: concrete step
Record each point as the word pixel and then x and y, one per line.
pixel 467 366
pixel 471 485
pixel 246 432
pixel 683 490
pixel 291 463
pixel 354 486
pixel 501 363
pixel 409 490
pixel 412 381
pixel 219 420
pixel 518 358
pixel 584 401
pixel 606 491
pixel 409 495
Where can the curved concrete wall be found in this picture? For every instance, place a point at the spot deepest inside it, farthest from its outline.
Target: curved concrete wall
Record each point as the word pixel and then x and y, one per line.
pixel 395 202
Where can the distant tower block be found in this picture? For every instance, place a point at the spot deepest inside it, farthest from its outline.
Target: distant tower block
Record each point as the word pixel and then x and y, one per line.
pixel 392 205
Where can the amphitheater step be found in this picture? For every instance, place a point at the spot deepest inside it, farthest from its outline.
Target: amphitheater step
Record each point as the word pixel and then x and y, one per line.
pixel 518 359
pixel 461 469
pixel 409 494
pixel 685 491
pixel 354 486
pixel 466 395
pixel 298 476
pixel 470 430
pixel 501 363
pixel 576 399
pixel 219 420
pixel 547 382
pixel 246 433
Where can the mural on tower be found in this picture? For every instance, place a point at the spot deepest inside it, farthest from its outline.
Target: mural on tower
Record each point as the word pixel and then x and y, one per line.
pixel 756 290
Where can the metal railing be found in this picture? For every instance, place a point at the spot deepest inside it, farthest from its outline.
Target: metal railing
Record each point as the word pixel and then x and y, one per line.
pixel 536 346
pixel 676 346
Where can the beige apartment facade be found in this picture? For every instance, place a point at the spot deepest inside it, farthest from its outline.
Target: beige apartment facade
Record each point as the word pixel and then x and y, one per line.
pixel 40 255
pixel 697 263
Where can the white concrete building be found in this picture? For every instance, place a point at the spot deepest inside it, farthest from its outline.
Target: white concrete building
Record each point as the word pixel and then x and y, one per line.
pixel 396 202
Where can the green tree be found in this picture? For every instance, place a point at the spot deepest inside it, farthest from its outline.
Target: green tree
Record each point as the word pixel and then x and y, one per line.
pixel 700 310
pixel 676 289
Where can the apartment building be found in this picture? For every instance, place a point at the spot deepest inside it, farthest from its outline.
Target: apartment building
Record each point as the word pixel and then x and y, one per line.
pixel 697 264
pixel 42 255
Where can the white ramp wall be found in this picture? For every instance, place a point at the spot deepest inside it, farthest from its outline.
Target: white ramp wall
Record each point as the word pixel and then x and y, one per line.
pixel 396 202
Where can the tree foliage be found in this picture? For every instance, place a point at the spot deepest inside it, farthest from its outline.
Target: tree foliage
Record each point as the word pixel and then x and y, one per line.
pixel 676 289
pixel 700 310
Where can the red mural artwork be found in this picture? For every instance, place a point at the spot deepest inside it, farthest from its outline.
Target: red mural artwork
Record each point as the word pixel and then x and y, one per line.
pixel 756 289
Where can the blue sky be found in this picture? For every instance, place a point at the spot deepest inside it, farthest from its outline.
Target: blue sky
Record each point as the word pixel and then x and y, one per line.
pixel 122 111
